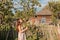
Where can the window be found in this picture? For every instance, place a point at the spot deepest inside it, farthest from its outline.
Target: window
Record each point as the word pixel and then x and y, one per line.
pixel 43 20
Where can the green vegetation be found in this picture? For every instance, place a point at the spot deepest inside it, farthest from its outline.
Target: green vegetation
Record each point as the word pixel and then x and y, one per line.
pixel 7 24
pixel 55 8
pixel 28 9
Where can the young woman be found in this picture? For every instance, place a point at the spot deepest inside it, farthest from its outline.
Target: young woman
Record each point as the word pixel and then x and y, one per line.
pixel 21 31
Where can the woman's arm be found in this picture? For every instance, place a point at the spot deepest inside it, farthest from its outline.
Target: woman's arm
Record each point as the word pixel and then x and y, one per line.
pixel 24 29
pixel 19 28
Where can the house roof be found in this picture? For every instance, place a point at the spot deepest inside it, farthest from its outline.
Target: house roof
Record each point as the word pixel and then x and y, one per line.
pixel 45 11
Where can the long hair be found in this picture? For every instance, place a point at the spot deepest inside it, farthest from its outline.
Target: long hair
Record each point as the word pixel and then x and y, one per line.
pixel 18 23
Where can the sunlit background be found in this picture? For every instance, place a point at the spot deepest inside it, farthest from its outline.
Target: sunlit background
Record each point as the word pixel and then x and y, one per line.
pixel 43 4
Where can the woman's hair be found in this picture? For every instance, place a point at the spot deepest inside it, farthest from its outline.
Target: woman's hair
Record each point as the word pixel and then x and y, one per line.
pixel 17 24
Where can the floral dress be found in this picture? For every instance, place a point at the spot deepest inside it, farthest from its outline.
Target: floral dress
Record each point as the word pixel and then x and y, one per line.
pixel 21 36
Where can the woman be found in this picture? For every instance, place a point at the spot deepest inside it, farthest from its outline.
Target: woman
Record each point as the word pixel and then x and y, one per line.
pixel 21 31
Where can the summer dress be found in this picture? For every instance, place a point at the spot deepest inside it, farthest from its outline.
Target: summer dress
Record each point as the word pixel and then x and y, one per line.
pixel 21 36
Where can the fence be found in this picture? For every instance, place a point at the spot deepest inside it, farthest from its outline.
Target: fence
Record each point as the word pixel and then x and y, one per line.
pixel 51 32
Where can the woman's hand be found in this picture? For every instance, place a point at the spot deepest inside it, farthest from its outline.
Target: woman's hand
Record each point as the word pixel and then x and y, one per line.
pixel 26 28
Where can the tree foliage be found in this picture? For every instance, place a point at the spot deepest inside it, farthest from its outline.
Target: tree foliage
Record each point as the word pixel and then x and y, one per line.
pixel 28 8
pixel 6 18
pixel 28 12
pixel 6 27
pixel 55 8
pixel 5 9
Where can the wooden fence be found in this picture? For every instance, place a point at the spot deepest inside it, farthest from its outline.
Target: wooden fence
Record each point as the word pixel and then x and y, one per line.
pixel 51 32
